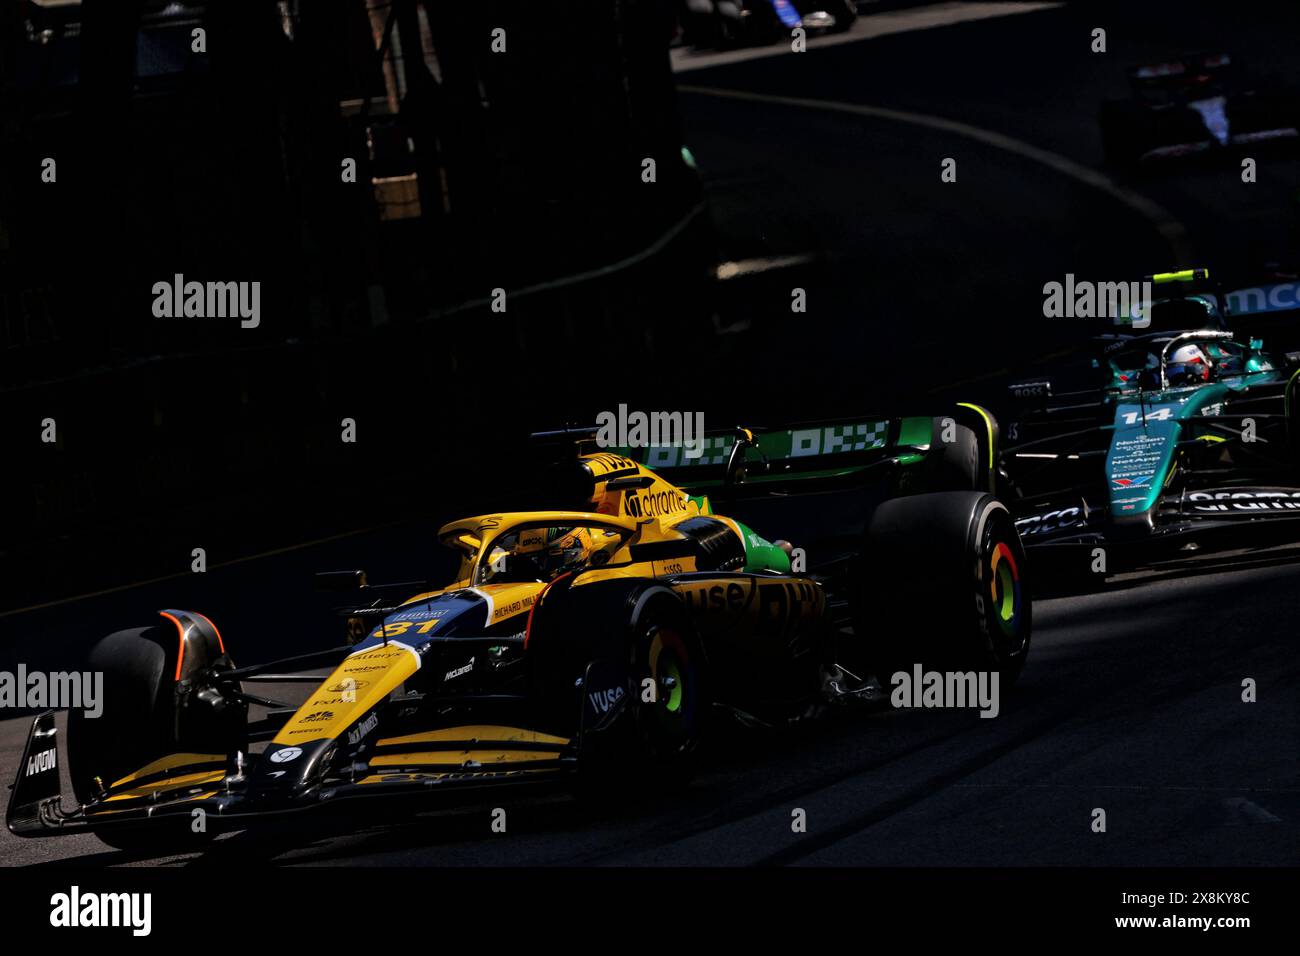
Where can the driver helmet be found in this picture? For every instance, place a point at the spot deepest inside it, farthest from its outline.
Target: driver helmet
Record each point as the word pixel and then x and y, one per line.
pixel 550 550
pixel 567 548
pixel 1189 364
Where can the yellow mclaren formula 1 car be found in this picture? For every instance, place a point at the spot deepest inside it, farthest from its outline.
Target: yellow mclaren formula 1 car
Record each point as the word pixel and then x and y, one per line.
pixel 591 642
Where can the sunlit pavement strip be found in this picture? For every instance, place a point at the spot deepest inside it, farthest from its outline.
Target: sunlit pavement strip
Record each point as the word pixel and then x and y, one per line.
pixel 868 25
pixel 747 267
pixel 1173 231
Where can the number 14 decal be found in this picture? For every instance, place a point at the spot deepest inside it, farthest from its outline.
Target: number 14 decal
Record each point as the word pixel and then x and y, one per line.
pixel 1156 415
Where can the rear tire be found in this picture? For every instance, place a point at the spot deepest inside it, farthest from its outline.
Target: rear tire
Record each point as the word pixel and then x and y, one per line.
pixel 665 652
pixel 944 587
pixel 956 465
pixel 651 744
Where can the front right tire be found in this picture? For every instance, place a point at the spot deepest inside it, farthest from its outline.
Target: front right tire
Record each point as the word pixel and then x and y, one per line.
pixel 138 725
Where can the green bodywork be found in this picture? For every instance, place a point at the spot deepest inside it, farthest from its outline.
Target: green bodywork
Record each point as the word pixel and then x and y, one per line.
pixel 833 450
pixel 760 554
pixel 1149 426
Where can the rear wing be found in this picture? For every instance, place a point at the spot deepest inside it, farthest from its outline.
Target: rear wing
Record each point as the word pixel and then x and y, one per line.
pixel 804 451
pixel 1272 302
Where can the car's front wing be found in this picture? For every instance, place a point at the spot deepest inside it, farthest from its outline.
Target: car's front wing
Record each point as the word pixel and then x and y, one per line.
pixel 174 787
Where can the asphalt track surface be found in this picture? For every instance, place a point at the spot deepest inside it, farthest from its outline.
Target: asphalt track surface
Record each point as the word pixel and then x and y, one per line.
pixel 1131 699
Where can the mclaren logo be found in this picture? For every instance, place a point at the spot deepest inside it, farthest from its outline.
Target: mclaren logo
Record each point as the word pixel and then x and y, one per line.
pixel 460 671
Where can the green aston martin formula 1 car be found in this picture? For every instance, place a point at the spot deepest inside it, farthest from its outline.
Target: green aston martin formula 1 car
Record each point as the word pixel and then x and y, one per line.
pixel 1188 440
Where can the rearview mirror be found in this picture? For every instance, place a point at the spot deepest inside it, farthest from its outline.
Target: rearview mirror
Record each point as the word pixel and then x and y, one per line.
pixel 340 580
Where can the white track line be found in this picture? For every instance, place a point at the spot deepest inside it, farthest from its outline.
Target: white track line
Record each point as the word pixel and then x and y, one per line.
pixel 1173 231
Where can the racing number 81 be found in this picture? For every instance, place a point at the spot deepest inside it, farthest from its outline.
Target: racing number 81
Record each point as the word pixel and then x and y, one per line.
pixel 398 628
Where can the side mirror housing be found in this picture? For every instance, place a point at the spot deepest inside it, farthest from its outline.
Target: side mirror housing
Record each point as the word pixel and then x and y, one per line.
pixel 340 580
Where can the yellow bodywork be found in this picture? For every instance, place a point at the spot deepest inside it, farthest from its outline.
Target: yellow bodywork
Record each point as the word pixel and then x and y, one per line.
pixel 636 515
pixel 630 507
